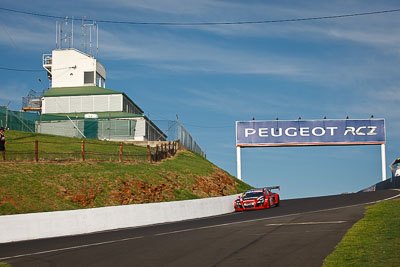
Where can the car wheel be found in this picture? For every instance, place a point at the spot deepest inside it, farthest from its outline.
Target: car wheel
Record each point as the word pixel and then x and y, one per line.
pixel 277 201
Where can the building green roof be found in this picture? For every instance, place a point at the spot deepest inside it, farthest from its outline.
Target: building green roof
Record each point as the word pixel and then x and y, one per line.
pixel 79 90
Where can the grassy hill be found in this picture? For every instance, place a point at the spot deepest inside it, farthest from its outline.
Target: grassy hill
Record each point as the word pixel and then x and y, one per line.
pixel 372 241
pixel 26 186
pixel 21 146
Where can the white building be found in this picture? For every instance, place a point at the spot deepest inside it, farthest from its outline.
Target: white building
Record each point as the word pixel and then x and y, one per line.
pixel 71 67
pixel 78 104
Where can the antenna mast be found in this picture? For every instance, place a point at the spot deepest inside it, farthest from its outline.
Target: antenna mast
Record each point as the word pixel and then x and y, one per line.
pixel 88 31
pixel 66 35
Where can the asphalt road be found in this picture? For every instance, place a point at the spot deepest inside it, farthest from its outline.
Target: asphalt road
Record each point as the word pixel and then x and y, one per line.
pixel 301 232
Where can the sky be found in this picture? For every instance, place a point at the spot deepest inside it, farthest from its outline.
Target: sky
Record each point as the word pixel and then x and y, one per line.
pixel 213 75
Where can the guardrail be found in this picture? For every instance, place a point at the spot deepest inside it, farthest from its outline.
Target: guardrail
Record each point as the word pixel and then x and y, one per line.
pixel 73 222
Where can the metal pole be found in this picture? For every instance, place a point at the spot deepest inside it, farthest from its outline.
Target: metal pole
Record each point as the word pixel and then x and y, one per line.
pixel 6 116
pixel 238 163
pixel 383 156
pixel 61 39
pixel 97 41
pixel 56 35
pixel 72 35
pixel 90 41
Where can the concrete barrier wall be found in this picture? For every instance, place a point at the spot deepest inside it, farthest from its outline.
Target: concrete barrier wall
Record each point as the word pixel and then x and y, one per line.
pixel 73 222
pixel 390 183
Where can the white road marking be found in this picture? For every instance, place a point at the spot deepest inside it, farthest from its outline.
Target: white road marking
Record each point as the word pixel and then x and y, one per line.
pixel 70 248
pixel 269 218
pixel 304 223
pixel 190 229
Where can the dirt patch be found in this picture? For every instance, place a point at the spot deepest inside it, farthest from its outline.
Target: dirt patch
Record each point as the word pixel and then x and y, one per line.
pixel 10 201
pixel 129 190
pixel 83 196
pixel 136 191
pixel 217 184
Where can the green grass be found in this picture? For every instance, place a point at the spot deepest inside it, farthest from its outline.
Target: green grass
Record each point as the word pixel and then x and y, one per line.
pixel 2 264
pixel 373 241
pixel 21 146
pixel 27 187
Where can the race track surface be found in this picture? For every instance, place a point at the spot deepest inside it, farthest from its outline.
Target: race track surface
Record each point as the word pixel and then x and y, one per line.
pixel 301 232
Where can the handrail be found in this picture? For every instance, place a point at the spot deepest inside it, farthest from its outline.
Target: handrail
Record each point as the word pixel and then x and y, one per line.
pixel 47 59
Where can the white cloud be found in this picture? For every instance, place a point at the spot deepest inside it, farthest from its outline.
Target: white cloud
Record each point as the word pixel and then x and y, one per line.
pixel 176 53
pixel 173 50
pixel 27 33
pixel 239 101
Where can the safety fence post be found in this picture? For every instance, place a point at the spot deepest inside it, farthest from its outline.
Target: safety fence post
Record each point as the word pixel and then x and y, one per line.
pixel 36 150
pixel 83 150
pixel 149 153
pixel 156 153
pixel 121 151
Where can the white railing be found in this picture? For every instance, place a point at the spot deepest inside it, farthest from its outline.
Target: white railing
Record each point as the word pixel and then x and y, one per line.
pixel 47 59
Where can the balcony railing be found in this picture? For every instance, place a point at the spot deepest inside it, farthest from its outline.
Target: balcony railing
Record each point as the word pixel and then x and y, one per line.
pixel 47 59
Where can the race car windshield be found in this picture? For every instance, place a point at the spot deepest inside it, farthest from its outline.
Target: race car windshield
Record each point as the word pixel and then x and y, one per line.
pixel 253 194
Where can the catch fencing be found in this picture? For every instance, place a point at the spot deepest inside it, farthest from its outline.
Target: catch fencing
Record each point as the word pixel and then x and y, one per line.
pixel 176 131
pixel 28 122
pixel 17 120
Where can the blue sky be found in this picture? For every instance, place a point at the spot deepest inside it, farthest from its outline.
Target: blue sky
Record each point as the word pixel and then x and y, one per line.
pixel 212 76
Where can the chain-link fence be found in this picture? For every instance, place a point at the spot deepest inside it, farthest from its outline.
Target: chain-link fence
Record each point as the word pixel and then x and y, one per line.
pixel 107 127
pixel 17 120
pixel 176 132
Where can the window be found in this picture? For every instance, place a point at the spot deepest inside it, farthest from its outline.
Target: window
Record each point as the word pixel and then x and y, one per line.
pixel 88 77
pixel 100 81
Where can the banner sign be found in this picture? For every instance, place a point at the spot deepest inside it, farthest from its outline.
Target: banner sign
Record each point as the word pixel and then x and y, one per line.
pixel 310 132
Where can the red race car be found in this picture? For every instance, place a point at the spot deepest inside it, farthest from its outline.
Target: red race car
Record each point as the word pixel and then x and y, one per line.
pixel 259 198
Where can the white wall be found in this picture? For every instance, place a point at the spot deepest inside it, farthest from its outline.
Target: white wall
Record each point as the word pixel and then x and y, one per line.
pixel 140 130
pixel 144 129
pixel 64 72
pixel 63 128
pixel 101 70
pixel 73 222
pixel 87 103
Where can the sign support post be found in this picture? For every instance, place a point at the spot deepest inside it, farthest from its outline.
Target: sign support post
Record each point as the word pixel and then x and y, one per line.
pixel 383 156
pixel 238 163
